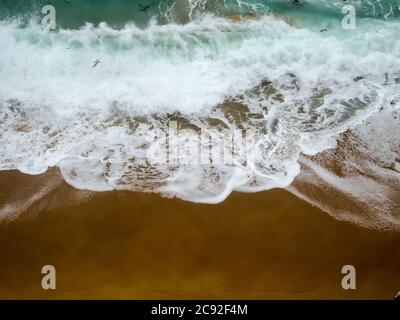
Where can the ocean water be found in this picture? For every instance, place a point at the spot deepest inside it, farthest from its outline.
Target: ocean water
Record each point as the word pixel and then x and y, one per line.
pixel 269 84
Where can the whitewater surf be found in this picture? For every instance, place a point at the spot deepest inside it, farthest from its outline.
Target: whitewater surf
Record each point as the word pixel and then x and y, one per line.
pixel 99 96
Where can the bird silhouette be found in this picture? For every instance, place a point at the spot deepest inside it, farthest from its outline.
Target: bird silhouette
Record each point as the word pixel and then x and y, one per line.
pixel 96 63
pixel 144 8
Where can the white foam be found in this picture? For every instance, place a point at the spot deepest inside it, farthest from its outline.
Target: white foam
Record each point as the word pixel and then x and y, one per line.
pixel 57 110
pixel 359 182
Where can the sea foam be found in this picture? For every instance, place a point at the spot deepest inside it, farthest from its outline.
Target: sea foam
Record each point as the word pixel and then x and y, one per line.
pixel 295 89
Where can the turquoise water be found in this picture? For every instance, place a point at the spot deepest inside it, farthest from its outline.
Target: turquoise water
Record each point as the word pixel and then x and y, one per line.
pixel 74 13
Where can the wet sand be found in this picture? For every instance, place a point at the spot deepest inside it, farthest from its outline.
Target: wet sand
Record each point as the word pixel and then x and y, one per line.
pixel 268 245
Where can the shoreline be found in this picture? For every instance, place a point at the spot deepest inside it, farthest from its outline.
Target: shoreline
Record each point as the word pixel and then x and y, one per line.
pixel 266 245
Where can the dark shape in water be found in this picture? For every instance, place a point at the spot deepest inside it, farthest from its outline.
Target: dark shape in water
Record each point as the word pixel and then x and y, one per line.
pixel 144 8
pixel 96 63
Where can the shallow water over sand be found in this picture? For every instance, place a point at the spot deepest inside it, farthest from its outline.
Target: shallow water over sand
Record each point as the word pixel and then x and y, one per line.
pixel 134 245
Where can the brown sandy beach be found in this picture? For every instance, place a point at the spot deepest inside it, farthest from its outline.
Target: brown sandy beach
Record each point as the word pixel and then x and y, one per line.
pixel 142 246
pixel 196 99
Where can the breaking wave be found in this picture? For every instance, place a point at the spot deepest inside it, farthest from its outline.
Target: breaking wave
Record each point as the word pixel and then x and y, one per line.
pixel 94 99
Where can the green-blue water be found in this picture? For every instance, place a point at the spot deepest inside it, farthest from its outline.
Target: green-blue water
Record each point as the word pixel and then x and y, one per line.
pixel 74 13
